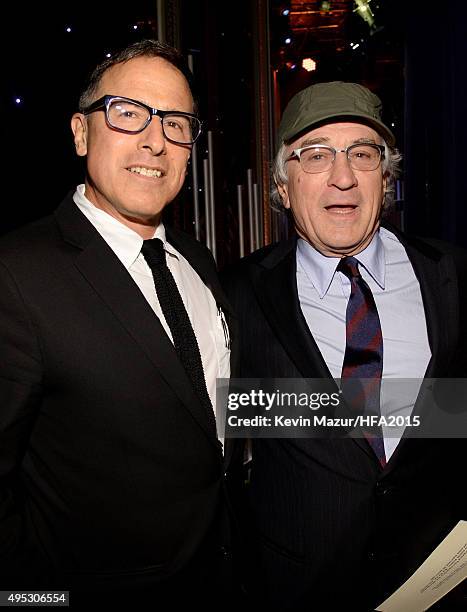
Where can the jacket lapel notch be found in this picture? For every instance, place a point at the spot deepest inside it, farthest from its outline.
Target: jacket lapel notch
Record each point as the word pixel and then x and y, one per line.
pixel 111 281
pixel 277 293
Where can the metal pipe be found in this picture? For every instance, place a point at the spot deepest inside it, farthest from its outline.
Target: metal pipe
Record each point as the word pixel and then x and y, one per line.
pixel 195 184
pixel 240 221
pixel 264 120
pixel 207 208
pixel 251 212
pixel 257 216
pixel 194 171
pixel 211 194
pixel 161 20
pixel 190 62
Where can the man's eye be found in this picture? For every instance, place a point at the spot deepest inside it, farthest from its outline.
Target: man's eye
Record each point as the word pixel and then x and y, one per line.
pixel 316 155
pixel 175 125
pixel 127 111
pixel 363 153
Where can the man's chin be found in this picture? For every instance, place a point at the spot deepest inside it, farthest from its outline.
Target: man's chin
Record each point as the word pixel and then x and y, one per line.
pixel 346 245
pixel 341 248
pixel 146 216
pixel 350 249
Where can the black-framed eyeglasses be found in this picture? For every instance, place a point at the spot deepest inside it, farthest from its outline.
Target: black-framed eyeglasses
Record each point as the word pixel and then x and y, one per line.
pixel 131 117
pixel 320 158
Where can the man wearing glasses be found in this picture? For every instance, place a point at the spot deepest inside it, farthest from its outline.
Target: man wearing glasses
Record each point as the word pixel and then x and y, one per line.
pixel 112 336
pixel 341 522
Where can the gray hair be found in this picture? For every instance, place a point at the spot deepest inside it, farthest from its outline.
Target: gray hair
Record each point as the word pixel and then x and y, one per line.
pixel 142 48
pixel 390 166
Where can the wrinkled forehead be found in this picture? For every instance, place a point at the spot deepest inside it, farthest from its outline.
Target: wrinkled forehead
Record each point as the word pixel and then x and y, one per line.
pixel 337 134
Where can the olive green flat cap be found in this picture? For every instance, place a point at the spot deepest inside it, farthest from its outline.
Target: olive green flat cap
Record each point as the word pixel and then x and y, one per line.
pixel 328 102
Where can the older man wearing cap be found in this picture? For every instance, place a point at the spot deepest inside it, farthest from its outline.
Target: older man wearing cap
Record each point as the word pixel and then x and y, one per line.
pixel 339 523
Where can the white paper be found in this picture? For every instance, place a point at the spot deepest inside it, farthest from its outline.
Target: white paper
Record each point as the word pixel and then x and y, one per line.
pixel 444 569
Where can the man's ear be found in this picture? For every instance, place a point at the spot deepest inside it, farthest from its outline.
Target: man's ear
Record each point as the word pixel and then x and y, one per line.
pixel 385 183
pixel 384 203
pixel 80 133
pixel 284 194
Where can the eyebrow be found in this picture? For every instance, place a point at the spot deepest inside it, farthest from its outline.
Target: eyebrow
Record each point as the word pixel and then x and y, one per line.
pixel 324 140
pixel 159 108
pixel 365 140
pixel 312 141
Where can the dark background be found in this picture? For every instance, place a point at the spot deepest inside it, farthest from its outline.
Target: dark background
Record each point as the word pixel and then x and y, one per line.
pixel 415 61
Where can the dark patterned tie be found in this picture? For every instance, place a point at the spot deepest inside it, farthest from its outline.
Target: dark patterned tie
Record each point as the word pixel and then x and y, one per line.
pixel 363 359
pixel 175 314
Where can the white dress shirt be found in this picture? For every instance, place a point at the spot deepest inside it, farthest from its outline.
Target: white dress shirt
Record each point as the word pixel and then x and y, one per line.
pixel 206 317
pixel 323 295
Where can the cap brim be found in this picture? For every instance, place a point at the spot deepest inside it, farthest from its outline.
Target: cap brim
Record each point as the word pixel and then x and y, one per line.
pixel 372 122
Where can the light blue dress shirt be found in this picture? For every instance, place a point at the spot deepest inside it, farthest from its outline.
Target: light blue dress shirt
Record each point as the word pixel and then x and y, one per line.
pixel 323 295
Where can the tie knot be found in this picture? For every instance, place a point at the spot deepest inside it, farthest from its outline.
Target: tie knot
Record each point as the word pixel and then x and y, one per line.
pixel 349 267
pixel 153 251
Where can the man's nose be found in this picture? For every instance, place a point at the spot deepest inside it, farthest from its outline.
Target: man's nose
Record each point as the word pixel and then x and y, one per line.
pixel 152 137
pixel 341 174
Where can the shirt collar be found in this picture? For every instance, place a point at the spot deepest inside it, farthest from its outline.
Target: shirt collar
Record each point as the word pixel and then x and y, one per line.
pixel 320 269
pixel 125 243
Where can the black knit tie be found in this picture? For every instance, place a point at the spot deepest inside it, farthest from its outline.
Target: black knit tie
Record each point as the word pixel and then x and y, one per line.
pixel 175 314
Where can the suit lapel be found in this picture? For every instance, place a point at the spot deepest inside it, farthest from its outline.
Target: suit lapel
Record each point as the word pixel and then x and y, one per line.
pixel 202 263
pixel 436 274
pixel 438 285
pixel 277 293
pixel 276 290
pixel 110 280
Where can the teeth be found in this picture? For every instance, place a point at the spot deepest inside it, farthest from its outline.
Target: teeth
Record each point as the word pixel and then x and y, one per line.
pixel 146 171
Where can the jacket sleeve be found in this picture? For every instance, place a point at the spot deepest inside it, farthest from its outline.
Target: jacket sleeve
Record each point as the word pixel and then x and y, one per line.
pixel 20 392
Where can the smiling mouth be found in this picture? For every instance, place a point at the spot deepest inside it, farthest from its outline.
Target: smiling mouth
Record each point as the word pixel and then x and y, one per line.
pixel 143 171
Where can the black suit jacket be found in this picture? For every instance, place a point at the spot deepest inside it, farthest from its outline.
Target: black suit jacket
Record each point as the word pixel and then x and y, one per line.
pixel 333 530
pixel 110 474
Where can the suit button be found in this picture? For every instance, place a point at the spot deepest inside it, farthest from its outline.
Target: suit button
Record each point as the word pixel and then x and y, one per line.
pixel 225 552
pixel 383 489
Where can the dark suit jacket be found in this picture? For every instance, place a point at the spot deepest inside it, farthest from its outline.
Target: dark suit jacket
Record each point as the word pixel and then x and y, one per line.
pixel 334 530
pixel 110 473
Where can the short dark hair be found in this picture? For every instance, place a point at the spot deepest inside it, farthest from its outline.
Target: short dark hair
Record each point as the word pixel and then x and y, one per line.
pixel 142 48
